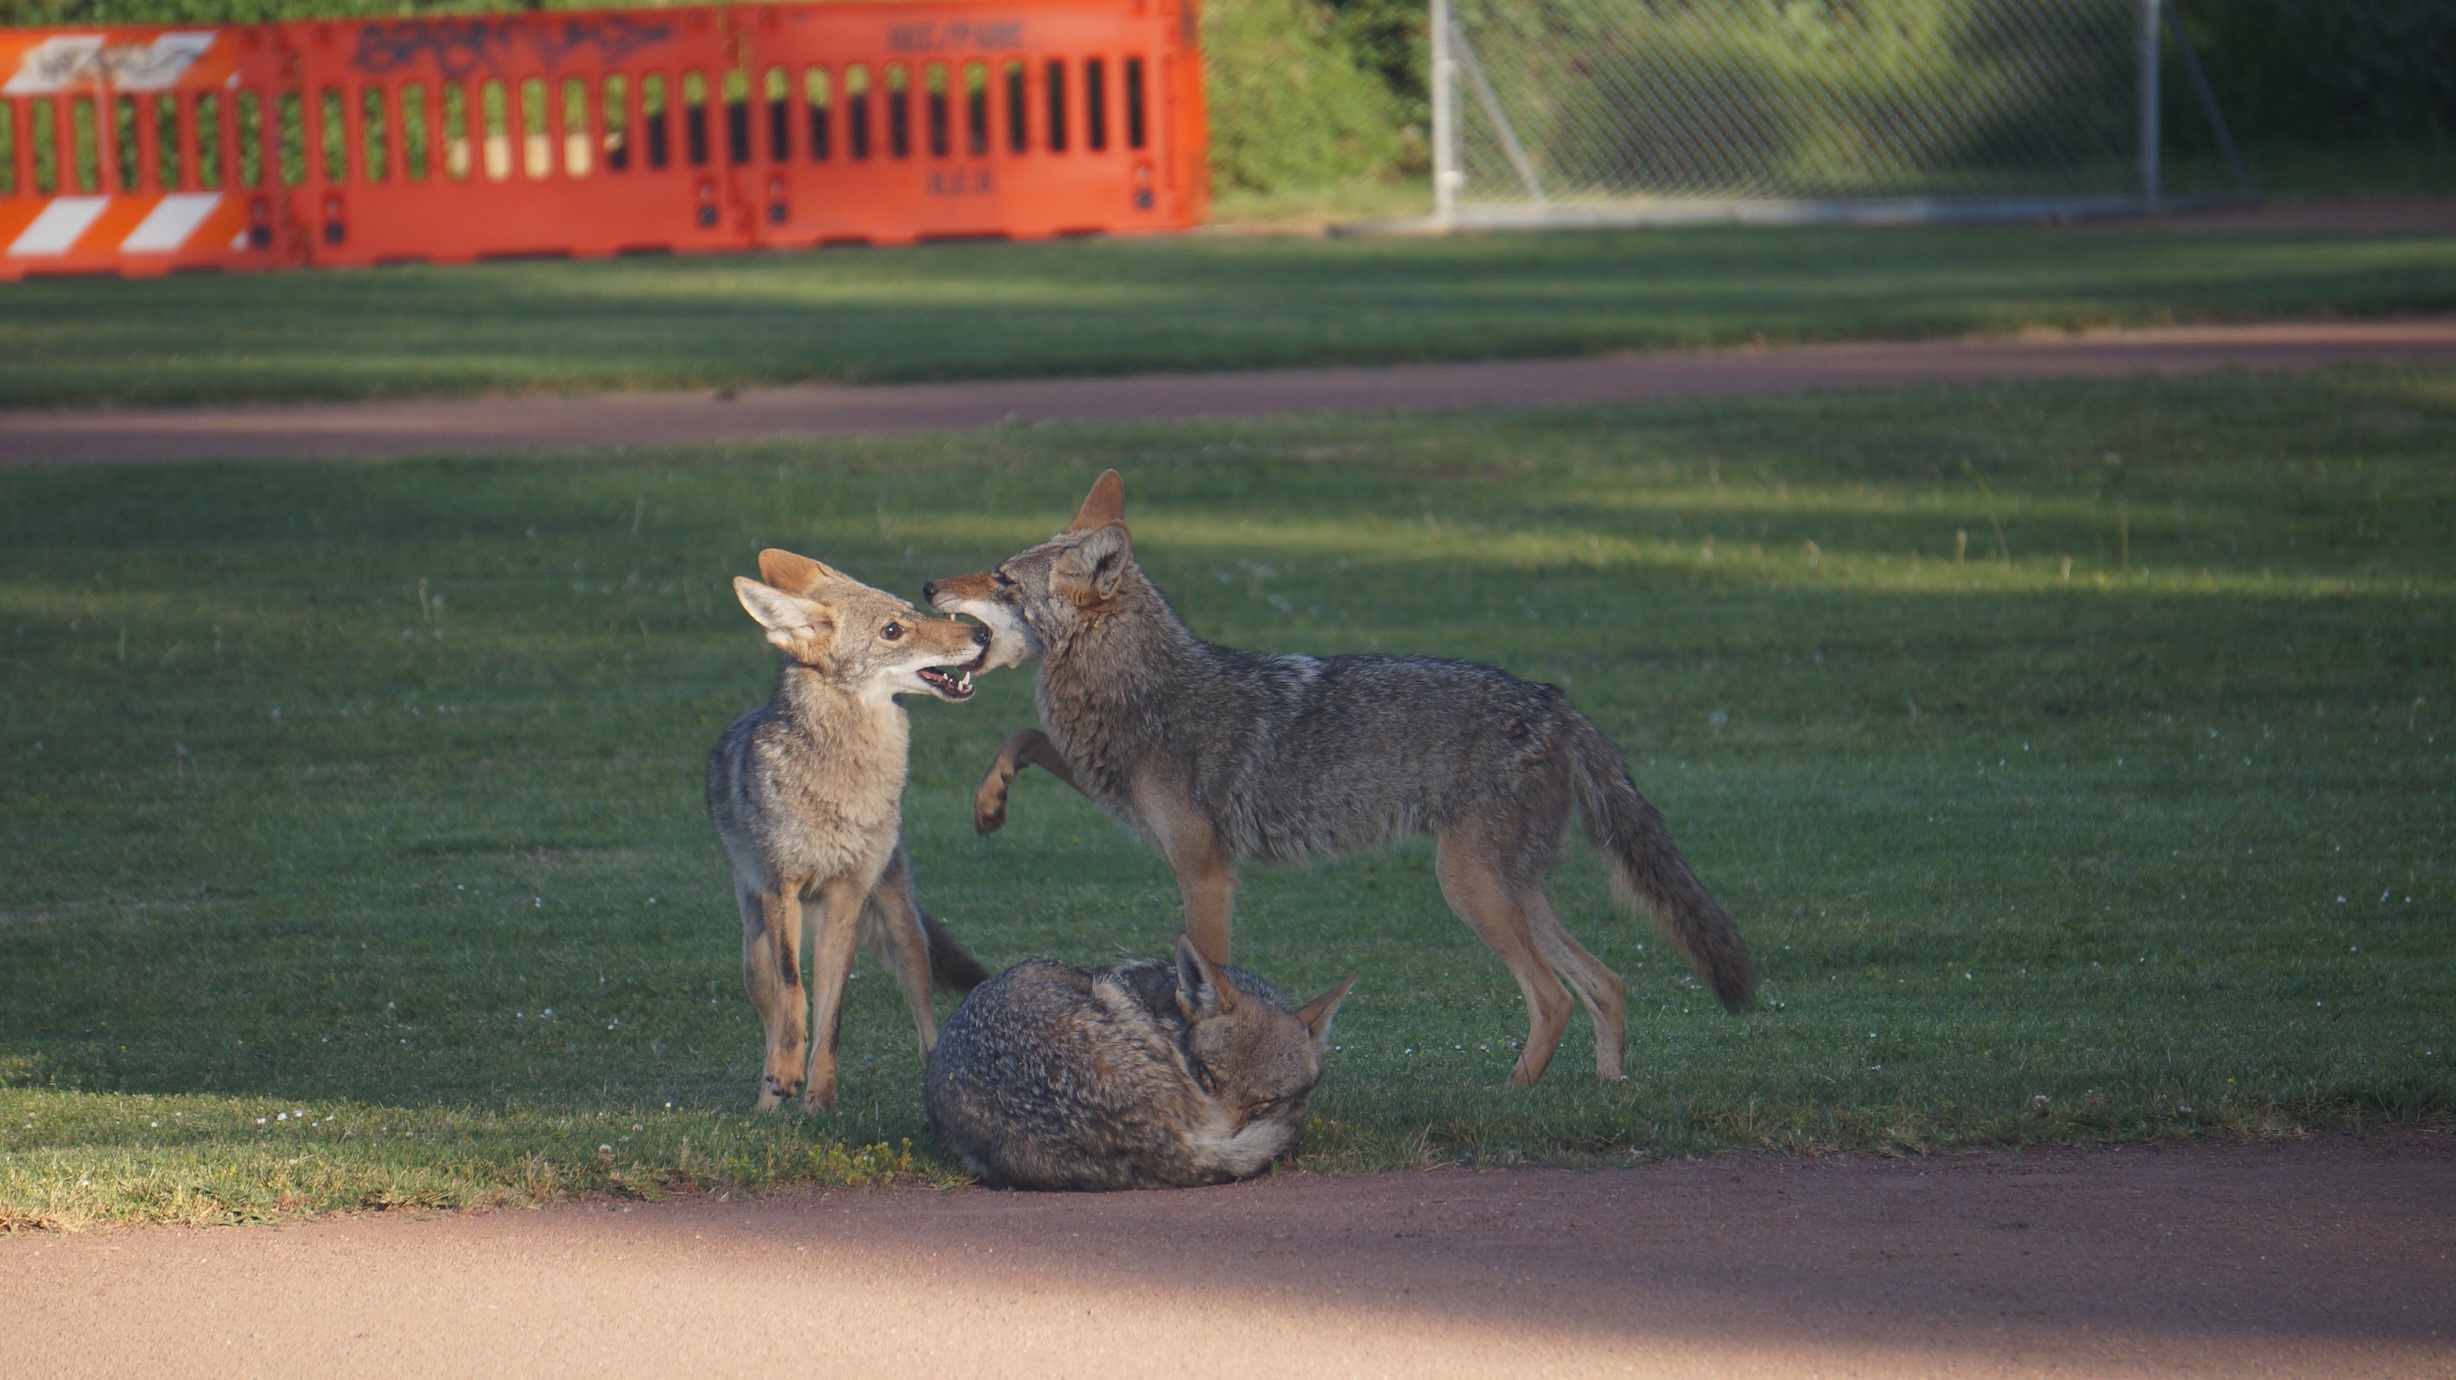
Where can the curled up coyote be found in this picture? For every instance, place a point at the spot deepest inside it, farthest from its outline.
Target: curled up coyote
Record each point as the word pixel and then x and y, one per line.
pixel 807 792
pixel 1144 1075
pixel 1218 756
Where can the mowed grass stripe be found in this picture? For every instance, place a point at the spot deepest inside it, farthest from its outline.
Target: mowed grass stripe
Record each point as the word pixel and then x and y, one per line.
pixel 364 799
pixel 969 311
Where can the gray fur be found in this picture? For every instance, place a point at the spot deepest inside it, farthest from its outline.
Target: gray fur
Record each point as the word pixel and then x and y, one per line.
pixel 1195 746
pixel 1144 1075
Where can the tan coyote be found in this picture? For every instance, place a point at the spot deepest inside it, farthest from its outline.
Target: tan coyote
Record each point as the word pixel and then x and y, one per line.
pixel 807 793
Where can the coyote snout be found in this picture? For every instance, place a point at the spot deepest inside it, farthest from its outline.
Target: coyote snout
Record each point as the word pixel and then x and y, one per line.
pixel 1008 639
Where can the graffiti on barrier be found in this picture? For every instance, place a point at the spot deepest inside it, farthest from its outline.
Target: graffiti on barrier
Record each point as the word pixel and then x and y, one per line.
pixel 461 47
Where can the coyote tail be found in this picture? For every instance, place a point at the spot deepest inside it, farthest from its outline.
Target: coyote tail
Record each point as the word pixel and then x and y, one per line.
pixel 1647 870
pixel 952 967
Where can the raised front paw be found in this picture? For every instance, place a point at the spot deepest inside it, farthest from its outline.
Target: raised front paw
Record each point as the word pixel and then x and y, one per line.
pixel 989 805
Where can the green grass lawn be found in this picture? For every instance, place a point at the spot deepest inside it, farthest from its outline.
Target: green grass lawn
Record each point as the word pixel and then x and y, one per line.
pixel 356 855
pixel 1091 307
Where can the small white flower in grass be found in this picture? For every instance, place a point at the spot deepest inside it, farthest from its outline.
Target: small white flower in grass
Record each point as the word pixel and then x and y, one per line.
pixel 605 1149
pixel 260 1121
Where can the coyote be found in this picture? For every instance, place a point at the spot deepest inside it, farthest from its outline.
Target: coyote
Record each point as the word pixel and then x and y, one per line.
pixel 806 792
pixel 1145 1075
pixel 1217 756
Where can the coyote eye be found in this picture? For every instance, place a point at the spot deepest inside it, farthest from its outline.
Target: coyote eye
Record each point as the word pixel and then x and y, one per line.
pixel 892 631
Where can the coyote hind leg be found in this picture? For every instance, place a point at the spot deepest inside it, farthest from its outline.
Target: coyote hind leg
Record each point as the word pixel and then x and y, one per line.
pixel 1472 882
pixel 1605 995
pixel 772 973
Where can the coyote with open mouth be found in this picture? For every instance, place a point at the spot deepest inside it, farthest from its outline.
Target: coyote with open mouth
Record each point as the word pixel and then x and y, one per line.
pixel 807 792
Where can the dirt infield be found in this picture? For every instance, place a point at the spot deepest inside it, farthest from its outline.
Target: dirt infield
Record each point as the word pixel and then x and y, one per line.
pixel 642 419
pixel 2328 1256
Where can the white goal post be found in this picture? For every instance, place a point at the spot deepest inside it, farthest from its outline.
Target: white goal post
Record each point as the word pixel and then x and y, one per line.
pixel 1665 112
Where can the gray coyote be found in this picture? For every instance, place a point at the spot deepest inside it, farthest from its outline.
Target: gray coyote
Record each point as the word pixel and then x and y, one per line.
pixel 1218 756
pixel 807 793
pixel 1145 1075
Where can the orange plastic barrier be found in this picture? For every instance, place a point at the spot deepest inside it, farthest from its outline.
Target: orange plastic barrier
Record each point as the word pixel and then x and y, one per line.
pixel 594 133
pixel 136 151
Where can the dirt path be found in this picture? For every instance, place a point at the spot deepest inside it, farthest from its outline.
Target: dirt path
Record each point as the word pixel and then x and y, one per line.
pixel 2328 1256
pixel 518 424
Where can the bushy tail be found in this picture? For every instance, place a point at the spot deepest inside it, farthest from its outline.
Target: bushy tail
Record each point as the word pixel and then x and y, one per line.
pixel 952 967
pixel 1648 871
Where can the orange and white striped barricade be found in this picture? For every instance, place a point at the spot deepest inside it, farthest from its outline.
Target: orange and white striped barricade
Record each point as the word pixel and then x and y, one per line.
pixel 138 151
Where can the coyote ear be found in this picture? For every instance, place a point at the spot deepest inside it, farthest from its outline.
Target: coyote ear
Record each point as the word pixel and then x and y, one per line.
pixel 1106 503
pixel 1089 571
pixel 1201 991
pixel 799 626
pixel 794 574
pixel 1317 1012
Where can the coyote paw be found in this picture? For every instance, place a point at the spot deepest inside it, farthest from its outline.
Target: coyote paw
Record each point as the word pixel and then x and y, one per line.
pixel 988 809
pixel 819 1100
pixel 773 1091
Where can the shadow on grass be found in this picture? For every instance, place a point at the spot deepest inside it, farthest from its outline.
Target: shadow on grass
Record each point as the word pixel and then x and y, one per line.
pixel 364 799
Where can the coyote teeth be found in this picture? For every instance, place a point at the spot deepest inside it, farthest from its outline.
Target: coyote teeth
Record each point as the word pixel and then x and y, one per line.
pixel 965 684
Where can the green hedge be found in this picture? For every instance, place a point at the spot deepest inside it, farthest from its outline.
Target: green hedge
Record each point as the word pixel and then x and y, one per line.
pixel 2326 71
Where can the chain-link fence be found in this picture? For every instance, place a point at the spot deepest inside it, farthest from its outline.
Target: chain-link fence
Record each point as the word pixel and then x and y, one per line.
pixel 1631 111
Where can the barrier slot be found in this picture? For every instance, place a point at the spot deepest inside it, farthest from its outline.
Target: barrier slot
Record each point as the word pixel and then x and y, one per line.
pixel 857 110
pixel 934 86
pixel 579 146
pixel 899 111
pixel 976 109
pixel 1095 105
pixel 616 95
pixel 1018 107
pixel 815 94
pixel 737 117
pixel 1057 105
pixel 653 120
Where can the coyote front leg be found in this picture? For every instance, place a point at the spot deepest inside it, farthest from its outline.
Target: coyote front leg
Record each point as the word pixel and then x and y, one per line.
pixel 1027 748
pixel 772 971
pixel 831 962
